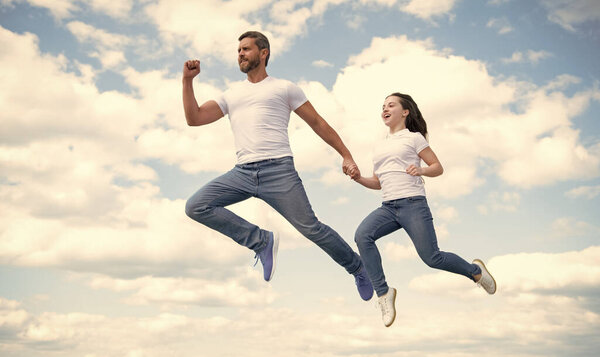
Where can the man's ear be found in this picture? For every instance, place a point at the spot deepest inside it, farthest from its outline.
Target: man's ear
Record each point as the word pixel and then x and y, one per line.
pixel 263 53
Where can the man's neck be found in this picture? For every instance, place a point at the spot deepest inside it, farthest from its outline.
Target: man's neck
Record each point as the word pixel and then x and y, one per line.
pixel 256 75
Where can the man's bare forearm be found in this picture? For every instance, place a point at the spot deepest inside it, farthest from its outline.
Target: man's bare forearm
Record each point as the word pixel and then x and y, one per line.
pixel 190 105
pixel 331 137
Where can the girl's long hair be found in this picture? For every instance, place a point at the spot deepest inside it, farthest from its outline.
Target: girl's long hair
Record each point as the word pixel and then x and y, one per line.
pixel 414 120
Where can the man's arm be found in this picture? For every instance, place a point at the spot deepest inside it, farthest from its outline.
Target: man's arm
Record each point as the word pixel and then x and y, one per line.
pixel 207 113
pixel 308 113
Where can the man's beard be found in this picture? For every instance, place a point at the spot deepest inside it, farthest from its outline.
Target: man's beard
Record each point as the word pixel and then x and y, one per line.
pixel 250 65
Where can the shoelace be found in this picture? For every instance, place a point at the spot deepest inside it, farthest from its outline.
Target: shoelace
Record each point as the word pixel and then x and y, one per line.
pixel 360 280
pixel 256 262
pixel 382 306
pixel 484 281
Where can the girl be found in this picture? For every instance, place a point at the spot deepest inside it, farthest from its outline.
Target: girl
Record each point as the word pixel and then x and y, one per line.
pixel 397 171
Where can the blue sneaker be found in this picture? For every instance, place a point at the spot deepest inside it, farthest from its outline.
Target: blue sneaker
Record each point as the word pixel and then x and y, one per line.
pixel 268 256
pixel 363 283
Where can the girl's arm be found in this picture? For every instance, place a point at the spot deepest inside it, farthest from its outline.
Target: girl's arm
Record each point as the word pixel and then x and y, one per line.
pixel 369 182
pixel 434 167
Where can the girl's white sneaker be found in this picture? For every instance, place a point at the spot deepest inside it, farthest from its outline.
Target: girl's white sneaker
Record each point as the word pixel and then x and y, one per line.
pixel 486 281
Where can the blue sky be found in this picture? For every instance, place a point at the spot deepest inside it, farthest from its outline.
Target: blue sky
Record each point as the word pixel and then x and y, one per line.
pixel 97 257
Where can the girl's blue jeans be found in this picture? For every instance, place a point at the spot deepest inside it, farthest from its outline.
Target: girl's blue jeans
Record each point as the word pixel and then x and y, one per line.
pixel 412 214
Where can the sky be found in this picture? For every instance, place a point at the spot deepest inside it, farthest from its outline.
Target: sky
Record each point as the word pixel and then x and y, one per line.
pixel 98 259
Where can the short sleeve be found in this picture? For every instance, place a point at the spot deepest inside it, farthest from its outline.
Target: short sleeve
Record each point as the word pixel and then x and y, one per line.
pixel 222 103
pixel 296 96
pixel 420 142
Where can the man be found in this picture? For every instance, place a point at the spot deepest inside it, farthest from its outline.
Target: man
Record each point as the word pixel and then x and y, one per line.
pixel 259 112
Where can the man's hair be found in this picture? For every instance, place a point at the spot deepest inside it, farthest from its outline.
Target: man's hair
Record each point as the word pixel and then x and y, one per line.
pixel 260 40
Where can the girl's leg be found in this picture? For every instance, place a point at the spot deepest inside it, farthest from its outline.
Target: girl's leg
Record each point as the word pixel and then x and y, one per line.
pixel 376 225
pixel 417 221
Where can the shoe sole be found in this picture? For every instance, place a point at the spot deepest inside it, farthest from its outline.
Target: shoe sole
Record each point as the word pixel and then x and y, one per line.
pixel 488 272
pixel 394 305
pixel 275 248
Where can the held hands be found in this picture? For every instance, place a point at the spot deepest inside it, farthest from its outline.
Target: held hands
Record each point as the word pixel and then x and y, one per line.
pixel 351 169
pixel 414 171
pixel 191 69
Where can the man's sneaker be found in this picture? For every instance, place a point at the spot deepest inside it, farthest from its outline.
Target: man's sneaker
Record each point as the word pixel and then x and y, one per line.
pixel 363 283
pixel 268 256
pixel 386 304
pixel 486 281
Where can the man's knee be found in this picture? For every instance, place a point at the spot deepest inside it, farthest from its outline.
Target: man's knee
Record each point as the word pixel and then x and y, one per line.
pixel 313 230
pixel 195 208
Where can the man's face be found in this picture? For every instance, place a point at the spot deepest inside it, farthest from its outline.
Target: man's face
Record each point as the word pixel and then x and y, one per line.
pixel 248 55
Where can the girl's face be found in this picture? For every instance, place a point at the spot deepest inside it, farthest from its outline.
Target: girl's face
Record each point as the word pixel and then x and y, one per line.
pixel 393 115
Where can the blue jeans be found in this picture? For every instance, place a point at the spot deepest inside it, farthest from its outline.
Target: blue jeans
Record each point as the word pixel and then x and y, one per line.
pixel 276 182
pixel 414 216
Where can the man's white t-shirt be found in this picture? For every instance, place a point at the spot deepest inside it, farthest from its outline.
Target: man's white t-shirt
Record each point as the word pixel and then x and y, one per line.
pixel 390 160
pixel 259 114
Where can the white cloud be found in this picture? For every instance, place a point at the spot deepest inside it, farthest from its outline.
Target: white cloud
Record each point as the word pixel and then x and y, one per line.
pixel 500 202
pixel 562 82
pixel 322 64
pixel 12 316
pixel 354 21
pixel 516 57
pixel 84 32
pixel 62 9
pixel 61 206
pixel 247 289
pixel 288 18
pixel 426 9
pixel 108 47
pixel 529 57
pixel 571 13
pixel 57 211
pixel 483 127
pixel 117 9
pixel 569 227
pixel 445 213
pixel 71 123
pixel 50 205
pixel 70 213
pixel 222 23
pixel 392 251
pixel 521 324
pixel 311 153
pixel 501 24
pixel 588 192
pixel 566 274
pixel 340 201
pixel 536 56
pixel 386 3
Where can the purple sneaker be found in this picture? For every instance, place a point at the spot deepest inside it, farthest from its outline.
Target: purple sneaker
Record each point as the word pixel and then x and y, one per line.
pixel 363 283
pixel 268 256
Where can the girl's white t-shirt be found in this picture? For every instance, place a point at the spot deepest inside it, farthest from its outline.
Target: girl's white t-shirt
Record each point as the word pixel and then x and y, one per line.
pixel 259 114
pixel 390 160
